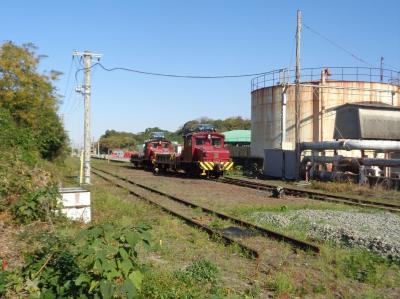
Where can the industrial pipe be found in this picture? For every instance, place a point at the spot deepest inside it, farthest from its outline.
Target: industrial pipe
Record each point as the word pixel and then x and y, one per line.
pixel 361 161
pixel 383 145
pixel 323 159
pixel 283 117
pixel 322 145
pixel 348 145
pixel 380 162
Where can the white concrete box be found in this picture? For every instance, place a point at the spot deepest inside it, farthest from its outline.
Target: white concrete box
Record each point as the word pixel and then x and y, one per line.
pixel 76 203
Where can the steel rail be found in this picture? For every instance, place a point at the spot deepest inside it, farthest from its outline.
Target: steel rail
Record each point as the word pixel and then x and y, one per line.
pixel 262 231
pixel 314 195
pixel 210 231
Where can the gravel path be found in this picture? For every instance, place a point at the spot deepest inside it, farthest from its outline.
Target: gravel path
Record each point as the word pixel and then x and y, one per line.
pixel 378 232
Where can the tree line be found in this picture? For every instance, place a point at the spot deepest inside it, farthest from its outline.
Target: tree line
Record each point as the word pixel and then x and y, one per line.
pixel 30 98
pixel 31 134
pixel 112 139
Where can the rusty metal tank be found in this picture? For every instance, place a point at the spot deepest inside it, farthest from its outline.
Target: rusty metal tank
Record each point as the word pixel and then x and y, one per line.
pixel 322 91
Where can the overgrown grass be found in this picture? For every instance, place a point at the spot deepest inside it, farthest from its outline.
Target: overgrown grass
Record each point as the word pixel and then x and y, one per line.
pixel 348 267
pixel 281 284
pixel 183 262
pixel 376 193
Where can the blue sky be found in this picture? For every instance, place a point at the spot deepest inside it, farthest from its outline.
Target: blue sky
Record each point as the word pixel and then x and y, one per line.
pixel 190 37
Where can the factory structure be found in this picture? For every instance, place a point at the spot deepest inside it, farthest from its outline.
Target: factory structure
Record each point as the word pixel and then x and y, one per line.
pixel 349 122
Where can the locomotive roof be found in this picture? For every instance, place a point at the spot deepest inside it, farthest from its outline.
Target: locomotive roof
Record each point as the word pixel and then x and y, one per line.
pixel 157 139
pixel 205 133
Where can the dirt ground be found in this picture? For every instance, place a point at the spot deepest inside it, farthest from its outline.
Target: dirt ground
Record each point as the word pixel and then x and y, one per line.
pixel 219 196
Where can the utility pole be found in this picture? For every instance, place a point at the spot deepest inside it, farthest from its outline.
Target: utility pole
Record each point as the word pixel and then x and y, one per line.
pixel 382 69
pixel 87 62
pixel 297 94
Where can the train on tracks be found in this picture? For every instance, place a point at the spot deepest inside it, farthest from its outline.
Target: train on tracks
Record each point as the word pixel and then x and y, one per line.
pixel 154 146
pixel 203 153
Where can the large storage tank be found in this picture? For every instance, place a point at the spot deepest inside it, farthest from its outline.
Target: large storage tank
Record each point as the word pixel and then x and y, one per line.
pixel 320 97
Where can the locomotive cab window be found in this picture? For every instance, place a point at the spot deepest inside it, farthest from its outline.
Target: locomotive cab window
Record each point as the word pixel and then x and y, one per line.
pixel 154 145
pixel 216 142
pixel 200 141
pixel 165 145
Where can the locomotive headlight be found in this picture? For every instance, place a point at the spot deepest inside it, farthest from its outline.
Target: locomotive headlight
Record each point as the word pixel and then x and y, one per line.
pixel 209 136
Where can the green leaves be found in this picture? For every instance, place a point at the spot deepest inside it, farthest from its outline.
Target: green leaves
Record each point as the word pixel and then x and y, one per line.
pixel 132 238
pixel 136 277
pixel 100 263
pixel 31 98
pixel 36 205
pixel 106 289
pixel 115 269
pixel 82 278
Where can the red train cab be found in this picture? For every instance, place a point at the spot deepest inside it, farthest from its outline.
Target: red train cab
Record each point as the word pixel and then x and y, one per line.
pixel 156 145
pixel 204 153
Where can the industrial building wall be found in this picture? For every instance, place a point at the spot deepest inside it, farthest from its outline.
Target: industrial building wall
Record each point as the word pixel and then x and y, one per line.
pixel 317 115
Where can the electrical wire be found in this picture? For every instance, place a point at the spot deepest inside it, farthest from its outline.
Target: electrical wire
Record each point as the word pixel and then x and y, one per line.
pixel 172 75
pixel 337 45
pixel 393 67
pixel 66 86
pixel 69 103
pixel 75 106
pixel 75 102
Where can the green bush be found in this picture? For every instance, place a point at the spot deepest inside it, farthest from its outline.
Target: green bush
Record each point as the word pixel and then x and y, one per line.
pixel 27 188
pixel 38 205
pixel 101 263
pixel 203 271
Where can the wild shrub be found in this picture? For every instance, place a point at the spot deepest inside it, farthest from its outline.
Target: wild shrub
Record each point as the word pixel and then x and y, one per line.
pixel 203 270
pixel 41 204
pixel 27 187
pixel 102 262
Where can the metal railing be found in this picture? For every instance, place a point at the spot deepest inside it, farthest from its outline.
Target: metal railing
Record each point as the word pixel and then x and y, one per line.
pixel 362 74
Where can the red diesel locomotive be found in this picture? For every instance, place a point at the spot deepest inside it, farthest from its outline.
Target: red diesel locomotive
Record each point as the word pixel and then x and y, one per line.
pixel 203 154
pixel 157 144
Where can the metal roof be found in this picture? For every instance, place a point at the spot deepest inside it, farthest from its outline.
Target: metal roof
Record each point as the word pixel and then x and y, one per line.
pixel 368 105
pixel 367 121
pixel 236 136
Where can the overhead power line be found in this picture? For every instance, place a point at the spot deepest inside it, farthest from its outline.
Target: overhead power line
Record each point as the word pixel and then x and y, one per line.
pixel 393 67
pixel 67 85
pixel 173 75
pixel 337 45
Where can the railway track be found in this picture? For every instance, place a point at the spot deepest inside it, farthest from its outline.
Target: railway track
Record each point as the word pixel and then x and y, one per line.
pixel 314 195
pixel 253 239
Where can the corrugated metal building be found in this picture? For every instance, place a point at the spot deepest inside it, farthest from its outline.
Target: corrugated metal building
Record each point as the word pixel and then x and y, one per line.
pixel 238 143
pixel 238 137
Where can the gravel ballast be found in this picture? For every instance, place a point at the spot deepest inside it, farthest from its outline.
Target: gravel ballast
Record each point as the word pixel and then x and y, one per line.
pixel 377 232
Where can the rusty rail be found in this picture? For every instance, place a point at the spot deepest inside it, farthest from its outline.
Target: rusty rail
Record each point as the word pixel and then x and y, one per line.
pixel 262 231
pixel 314 195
